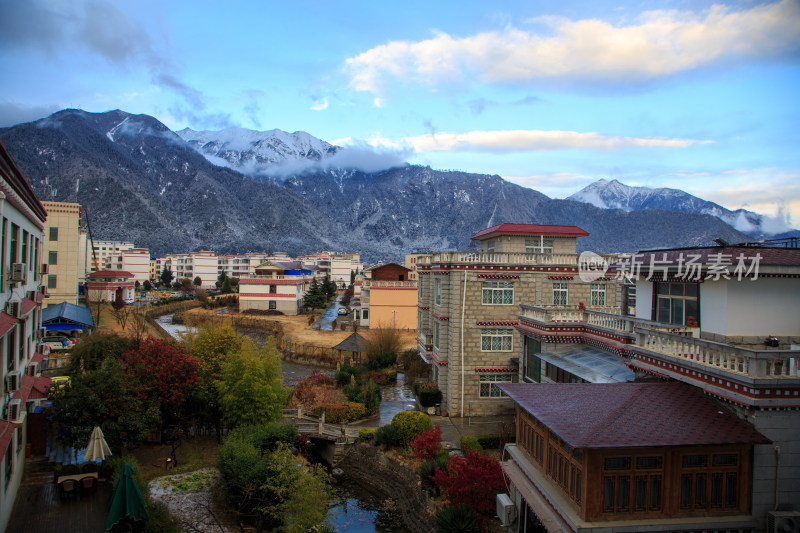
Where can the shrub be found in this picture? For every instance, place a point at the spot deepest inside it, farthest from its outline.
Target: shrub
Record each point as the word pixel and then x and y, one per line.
pixel 413 366
pixel 343 375
pixel 339 413
pixel 379 361
pixel 410 424
pixel 429 397
pixel 370 397
pixel 388 436
pixel 366 434
pixel 428 469
pixel 427 443
pixel 472 480
pixel 489 441
pixel 471 443
pixel 459 519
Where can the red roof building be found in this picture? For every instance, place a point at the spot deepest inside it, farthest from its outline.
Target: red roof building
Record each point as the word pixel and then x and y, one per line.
pixel 530 229
pixel 630 456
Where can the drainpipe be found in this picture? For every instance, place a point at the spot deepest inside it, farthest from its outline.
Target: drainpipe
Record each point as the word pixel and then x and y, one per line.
pixel 463 306
pixel 777 465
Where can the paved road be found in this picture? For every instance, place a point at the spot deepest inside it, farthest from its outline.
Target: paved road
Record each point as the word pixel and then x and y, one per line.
pixel 325 321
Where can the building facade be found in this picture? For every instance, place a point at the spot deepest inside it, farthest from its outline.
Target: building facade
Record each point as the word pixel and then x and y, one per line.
pixel 276 286
pixel 106 285
pixel 22 219
pixel 412 259
pixel 102 253
pixel 388 298
pixel 722 320
pixel 66 266
pixel 202 264
pixel 468 304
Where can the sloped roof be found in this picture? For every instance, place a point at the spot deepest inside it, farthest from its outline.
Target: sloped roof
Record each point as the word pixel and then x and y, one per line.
pixel 377 266
pixel 67 311
pixel 530 229
pixel 111 274
pixel 620 415
pixel 354 343
pixel 6 322
pixel 769 255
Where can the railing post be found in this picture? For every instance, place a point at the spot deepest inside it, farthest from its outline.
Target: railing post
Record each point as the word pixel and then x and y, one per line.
pixel 299 411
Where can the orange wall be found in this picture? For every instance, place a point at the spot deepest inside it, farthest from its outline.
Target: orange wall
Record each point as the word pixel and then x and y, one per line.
pixel 393 306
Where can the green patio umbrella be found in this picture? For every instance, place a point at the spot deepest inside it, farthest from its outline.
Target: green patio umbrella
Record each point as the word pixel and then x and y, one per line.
pixel 127 501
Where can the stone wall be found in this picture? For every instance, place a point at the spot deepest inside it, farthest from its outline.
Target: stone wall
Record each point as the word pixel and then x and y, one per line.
pixel 371 468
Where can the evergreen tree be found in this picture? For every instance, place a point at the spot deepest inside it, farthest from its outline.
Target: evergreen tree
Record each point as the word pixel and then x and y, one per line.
pixel 328 287
pixel 166 277
pixel 314 297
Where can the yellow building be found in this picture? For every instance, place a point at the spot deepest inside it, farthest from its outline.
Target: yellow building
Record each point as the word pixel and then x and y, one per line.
pixel 413 258
pixel 388 298
pixel 62 256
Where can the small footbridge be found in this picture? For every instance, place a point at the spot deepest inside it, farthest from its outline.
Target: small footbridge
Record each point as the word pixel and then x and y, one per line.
pixel 335 439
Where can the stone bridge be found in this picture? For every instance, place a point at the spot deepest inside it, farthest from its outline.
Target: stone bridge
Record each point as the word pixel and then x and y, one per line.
pixel 338 437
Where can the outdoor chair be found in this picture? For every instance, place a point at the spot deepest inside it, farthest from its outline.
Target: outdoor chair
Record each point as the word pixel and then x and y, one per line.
pixel 67 489
pixel 88 485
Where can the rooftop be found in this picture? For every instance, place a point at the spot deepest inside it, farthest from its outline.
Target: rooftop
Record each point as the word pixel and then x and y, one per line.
pixel 530 229
pixel 620 415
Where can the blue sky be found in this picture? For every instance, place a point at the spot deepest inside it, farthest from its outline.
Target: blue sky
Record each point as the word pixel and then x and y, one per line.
pixel 695 95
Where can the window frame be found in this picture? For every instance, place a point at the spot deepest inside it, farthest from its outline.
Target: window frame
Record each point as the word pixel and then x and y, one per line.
pixel 597 294
pixel 494 392
pixel 497 340
pixel 437 291
pixel 497 290
pixel 560 293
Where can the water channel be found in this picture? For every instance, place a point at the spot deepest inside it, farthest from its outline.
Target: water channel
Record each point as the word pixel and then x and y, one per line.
pixel 355 510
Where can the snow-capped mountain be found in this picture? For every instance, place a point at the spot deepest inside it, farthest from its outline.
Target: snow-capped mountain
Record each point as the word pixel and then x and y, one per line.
pixel 615 195
pixel 258 152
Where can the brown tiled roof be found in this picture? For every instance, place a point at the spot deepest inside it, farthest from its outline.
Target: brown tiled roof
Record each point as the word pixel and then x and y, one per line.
pixel 111 274
pixel 354 343
pixel 6 322
pixel 619 415
pixel 528 229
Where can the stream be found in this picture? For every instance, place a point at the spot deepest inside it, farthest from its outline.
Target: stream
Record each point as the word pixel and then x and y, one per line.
pixel 355 509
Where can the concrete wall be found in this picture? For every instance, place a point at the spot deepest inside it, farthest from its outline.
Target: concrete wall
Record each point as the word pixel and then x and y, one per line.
pixel 67 267
pixel 393 307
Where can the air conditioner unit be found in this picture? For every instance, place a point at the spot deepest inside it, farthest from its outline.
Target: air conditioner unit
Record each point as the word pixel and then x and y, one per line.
pixel 19 272
pixel 14 411
pixel 11 308
pixel 33 368
pixel 45 268
pixel 783 522
pixel 506 511
pixel 13 380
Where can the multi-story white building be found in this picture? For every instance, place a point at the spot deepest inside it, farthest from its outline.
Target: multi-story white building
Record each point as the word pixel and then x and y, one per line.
pixel 133 260
pixel 102 254
pixel 244 265
pixel 202 264
pixel 22 219
pixel 337 265
pixel 276 286
pixel 723 321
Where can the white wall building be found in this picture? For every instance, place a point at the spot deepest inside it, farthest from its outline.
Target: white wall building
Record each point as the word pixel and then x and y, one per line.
pixel 22 219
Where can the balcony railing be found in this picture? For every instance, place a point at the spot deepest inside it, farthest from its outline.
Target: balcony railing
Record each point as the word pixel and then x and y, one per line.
pixel 500 258
pixel 567 313
pixel 606 317
pixel 277 277
pixel 735 359
pixel 379 283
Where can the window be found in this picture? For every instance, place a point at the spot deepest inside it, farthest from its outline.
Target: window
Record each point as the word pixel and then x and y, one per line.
pixel 538 246
pixel 488 385
pixel 273 289
pixel 676 302
pixel 532 362
pixel 490 246
pixel 626 490
pixel 54 234
pixel 273 304
pixel 52 258
pixel 498 293
pixel 497 340
pixel 9 458
pixel 709 486
pixel 560 294
pixel 436 335
pixel 437 290
pixel 51 281
pixel 14 243
pixel 365 314
pixel 598 294
pixel 11 347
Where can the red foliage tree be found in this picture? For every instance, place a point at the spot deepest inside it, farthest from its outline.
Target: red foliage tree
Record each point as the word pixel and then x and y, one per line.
pixel 163 371
pixel 427 443
pixel 472 480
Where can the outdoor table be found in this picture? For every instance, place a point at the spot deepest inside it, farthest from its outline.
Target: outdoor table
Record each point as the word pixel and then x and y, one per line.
pixel 76 477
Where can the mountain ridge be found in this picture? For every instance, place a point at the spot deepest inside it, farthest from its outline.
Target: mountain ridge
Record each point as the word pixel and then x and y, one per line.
pixel 140 181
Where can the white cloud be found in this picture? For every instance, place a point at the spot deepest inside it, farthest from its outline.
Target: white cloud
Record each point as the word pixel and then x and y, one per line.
pixel 659 44
pixel 320 105
pixel 535 141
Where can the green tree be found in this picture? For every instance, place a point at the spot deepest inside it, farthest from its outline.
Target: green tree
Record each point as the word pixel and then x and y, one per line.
pixel 198 281
pixel 221 279
pixel 314 297
pixel 227 286
pixel 250 386
pixel 328 287
pixel 147 285
pixel 89 354
pixel 166 277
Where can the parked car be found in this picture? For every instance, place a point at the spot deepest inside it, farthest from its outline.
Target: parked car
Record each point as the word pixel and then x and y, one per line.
pixel 342 311
pixel 71 338
pixel 129 301
pixel 59 381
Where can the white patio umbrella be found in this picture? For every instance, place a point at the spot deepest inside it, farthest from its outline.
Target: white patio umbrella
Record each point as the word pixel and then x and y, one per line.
pixel 97 447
